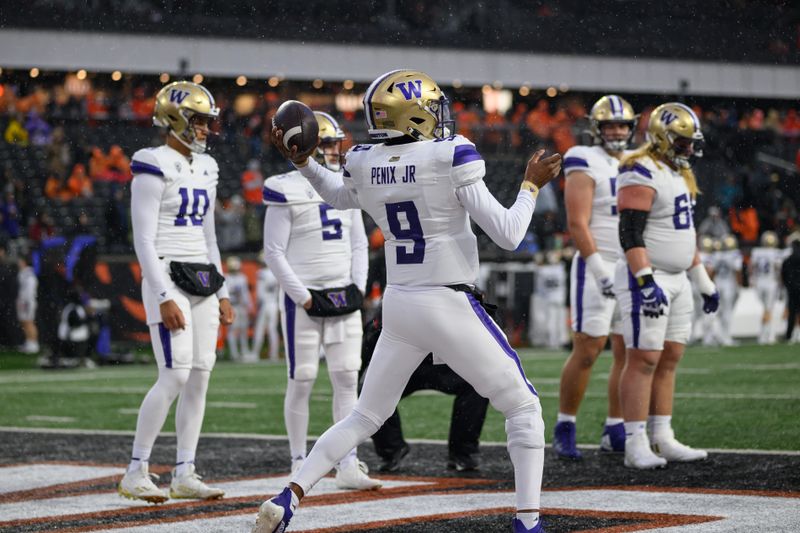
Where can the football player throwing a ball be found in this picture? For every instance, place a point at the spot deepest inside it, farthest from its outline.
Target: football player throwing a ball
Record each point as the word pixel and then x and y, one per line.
pixel 422 184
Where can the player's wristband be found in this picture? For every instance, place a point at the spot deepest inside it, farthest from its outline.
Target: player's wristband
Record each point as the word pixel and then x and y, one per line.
pixel 596 266
pixel 700 277
pixel 530 187
pixel 644 276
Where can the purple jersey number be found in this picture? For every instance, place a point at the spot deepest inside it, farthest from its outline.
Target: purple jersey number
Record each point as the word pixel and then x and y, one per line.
pixel 331 227
pixel 413 232
pixel 682 219
pixel 197 213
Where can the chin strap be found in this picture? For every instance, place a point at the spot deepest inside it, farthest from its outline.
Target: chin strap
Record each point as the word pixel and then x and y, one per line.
pixel 194 147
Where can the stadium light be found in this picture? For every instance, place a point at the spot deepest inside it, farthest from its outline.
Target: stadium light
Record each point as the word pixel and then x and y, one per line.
pixel 317 83
pixel 457 84
pixel 486 89
pixel 116 75
pixel 34 72
pixel 273 81
pixel 497 84
pixel 348 84
pixel 241 81
pixel 563 87
pixel 197 78
pixel 551 92
pixel 81 74
pixel 164 78
pixel 524 90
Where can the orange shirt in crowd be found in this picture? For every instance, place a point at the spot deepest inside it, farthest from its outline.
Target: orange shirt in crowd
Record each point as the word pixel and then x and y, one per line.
pixel 744 222
pixel 252 181
pixel 79 183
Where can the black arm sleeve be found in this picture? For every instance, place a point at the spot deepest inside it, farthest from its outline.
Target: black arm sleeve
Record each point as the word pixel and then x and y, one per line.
pixel 631 228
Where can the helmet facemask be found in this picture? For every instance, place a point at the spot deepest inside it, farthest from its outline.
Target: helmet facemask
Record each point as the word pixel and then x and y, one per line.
pixel 683 149
pixel 445 124
pixel 196 122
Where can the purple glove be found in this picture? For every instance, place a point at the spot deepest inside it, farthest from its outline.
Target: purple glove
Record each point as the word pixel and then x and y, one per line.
pixel 710 302
pixel 654 300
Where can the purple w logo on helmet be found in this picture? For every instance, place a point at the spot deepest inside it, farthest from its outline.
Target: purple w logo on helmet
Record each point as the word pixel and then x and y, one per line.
pixel 667 118
pixel 205 278
pixel 338 298
pixel 176 95
pixel 410 90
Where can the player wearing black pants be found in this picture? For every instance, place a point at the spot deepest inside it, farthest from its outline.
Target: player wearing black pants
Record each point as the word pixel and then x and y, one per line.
pixel 466 423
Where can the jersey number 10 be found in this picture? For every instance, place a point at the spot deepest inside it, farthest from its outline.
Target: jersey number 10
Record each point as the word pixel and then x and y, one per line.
pixel 197 214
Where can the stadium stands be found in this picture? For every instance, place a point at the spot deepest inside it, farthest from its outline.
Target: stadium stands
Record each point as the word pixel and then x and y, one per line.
pixel 604 27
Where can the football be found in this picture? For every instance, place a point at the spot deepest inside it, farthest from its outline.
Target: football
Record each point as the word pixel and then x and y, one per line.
pixel 299 125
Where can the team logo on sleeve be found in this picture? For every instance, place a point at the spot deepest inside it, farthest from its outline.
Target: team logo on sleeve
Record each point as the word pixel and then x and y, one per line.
pixel 338 298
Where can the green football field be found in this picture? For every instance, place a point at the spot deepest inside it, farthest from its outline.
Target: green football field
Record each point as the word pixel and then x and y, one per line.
pixel 745 397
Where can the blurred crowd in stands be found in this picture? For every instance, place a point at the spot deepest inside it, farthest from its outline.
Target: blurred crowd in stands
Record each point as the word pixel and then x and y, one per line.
pixel 65 156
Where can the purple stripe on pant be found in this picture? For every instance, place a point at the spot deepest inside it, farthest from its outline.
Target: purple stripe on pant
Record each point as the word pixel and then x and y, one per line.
pixel 290 319
pixel 579 296
pixel 499 337
pixel 166 343
pixel 636 297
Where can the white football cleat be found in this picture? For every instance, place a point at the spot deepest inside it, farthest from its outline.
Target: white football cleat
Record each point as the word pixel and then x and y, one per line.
pixel 354 477
pixel 639 455
pixel 668 447
pixel 189 486
pixel 137 485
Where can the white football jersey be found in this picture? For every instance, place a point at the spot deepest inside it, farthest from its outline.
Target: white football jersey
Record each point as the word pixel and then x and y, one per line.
pixel 319 250
pixel 551 282
pixel 669 235
pixel 603 169
pixel 409 190
pixel 726 264
pixel 191 189
pixel 238 288
pixel 266 287
pixel 765 264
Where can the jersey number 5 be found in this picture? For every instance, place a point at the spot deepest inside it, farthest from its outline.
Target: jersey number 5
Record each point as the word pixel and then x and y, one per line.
pixel 197 214
pixel 412 231
pixel 331 227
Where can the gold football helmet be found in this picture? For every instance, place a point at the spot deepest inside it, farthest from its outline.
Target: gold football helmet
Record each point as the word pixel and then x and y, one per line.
pixel 729 242
pixel 407 102
pixel 674 132
pixel 769 239
pixel 612 109
pixel 706 244
pixel 178 106
pixel 331 135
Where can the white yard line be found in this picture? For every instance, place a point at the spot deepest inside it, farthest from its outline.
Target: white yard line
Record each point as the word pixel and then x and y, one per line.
pixel 258 436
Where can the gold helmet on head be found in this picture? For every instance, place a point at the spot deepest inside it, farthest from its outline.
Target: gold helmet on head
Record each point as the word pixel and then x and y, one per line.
pixel 706 243
pixel 729 242
pixel 407 102
pixel 769 239
pixel 178 106
pixel 331 136
pixel 674 132
pixel 612 109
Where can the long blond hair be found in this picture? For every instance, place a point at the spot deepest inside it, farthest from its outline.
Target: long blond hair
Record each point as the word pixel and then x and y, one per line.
pixel 647 150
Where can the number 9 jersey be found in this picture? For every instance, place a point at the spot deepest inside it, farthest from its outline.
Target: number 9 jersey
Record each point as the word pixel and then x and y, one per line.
pixel 410 190
pixel 669 235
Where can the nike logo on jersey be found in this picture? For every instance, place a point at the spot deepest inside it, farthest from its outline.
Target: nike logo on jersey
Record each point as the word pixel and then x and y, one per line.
pixel 390 175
